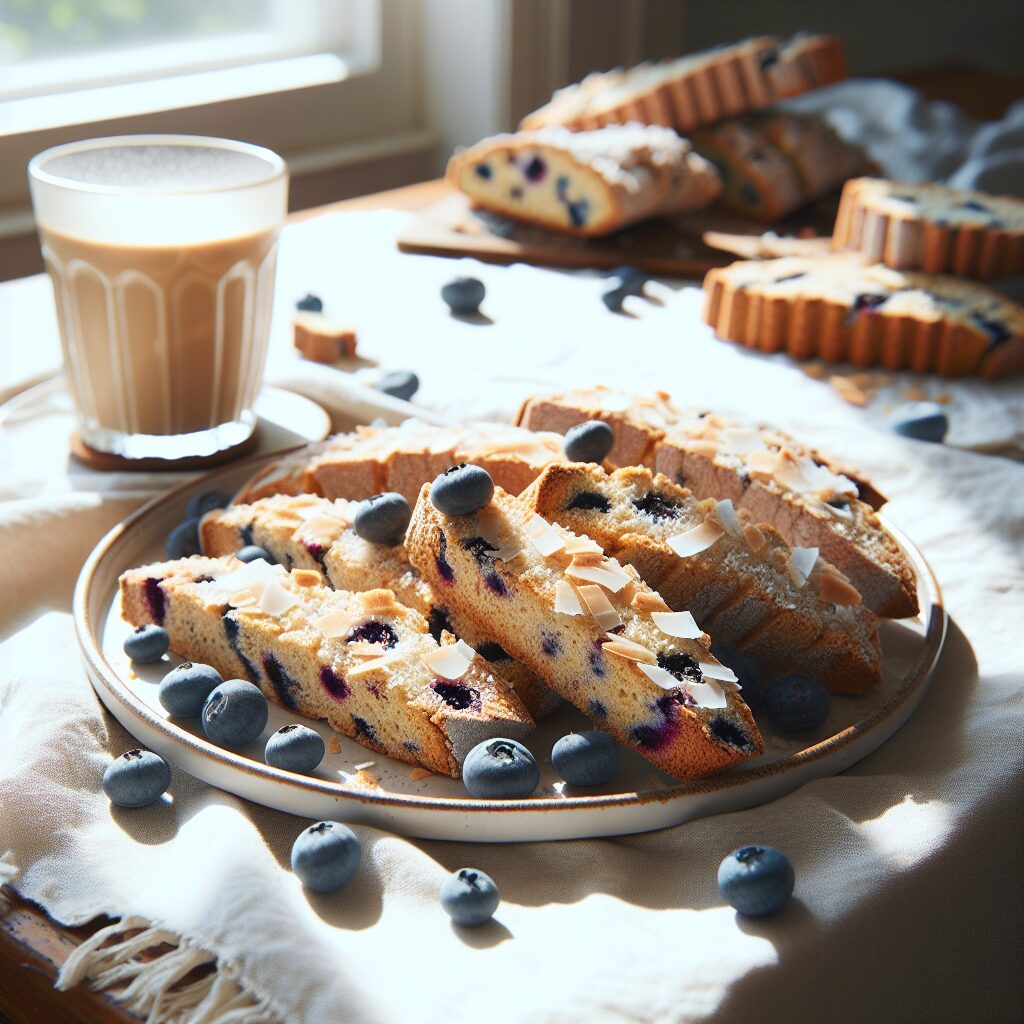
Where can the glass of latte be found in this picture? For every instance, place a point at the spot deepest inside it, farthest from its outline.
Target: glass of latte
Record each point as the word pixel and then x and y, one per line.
pixel 162 250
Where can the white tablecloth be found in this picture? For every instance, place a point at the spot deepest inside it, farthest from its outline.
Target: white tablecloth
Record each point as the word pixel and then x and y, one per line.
pixel 908 865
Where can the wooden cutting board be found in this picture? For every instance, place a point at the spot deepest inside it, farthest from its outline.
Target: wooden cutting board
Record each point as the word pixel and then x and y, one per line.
pixel 668 246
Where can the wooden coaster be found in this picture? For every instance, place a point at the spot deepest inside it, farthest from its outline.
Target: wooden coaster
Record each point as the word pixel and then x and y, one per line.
pixel 105 462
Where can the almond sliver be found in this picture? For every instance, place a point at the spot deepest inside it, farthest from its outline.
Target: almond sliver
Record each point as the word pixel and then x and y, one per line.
pixel 627 649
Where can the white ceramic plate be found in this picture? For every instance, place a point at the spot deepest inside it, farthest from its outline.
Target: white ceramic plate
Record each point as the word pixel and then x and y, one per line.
pixel 436 807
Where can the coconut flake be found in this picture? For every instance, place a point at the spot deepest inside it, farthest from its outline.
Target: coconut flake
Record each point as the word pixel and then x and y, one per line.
pixel 741 440
pixel 609 575
pixel 660 676
pixel 335 623
pixel 447 662
pixel 804 476
pixel 801 564
pixel 627 649
pixel 678 624
pixel 545 538
pixel 364 649
pixel 582 544
pixel 323 526
pixel 700 538
pixel 727 516
pixel 716 670
pixel 566 600
pixel 376 664
pixel 707 695
pixel 276 600
pixel 600 607
pixel 465 650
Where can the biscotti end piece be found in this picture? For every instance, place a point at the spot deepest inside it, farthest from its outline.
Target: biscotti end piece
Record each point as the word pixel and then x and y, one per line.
pixel 362 662
pixel 841 308
pixel 306 531
pixel 556 603
pixel 741 582
pixel 933 228
pixel 585 183
pixel 322 340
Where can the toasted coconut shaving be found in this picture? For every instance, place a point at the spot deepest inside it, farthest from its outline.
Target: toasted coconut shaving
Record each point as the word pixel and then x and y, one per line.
pixel 336 623
pixel 677 624
pixel 307 578
pixel 566 600
pixel 609 574
pixel 448 662
pixel 646 601
pixel 837 589
pixel 380 601
pixel 700 538
pixel 588 557
pixel 801 564
pixel 627 649
pixel 726 513
pixel 600 607
pixel 582 544
pixel 364 649
pixel 544 537
pixel 276 600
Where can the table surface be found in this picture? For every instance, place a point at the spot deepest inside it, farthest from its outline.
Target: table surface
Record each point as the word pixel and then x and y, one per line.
pixel 32 945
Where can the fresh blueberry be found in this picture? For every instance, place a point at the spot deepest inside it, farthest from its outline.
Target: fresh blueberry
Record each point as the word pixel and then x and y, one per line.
pixel 184 689
pixel 756 880
pixel 325 856
pixel 461 490
pixel 253 551
pixel 399 384
pixel 631 279
pixel 310 304
pixel 752 679
pixel 796 704
pixel 613 298
pixel 469 897
pixel 235 713
pixel 923 421
pixel 206 501
pixel 589 442
pixel 295 748
pixel 586 758
pixel 500 769
pixel 464 295
pixel 183 540
pixel 382 519
pixel 147 643
pixel 136 778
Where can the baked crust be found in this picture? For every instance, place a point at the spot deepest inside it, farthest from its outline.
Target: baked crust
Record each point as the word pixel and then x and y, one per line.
pixel 841 311
pixel 933 228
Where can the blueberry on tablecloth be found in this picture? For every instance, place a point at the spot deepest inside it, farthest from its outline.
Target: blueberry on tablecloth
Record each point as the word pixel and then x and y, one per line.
pixel 136 778
pixel 469 897
pixel 325 856
pixel 756 880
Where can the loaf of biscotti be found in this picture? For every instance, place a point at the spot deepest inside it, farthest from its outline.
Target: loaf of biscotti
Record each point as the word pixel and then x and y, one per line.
pixel 842 308
pixel 364 663
pixel 809 498
pixel 773 163
pixel 371 460
pixel 305 531
pixel 585 183
pixel 741 582
pixel 590 629
pixel 639 423
pixel 697 89
pixel 933 228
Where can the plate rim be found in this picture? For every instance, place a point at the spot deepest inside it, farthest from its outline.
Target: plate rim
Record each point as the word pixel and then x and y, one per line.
pixel 103 676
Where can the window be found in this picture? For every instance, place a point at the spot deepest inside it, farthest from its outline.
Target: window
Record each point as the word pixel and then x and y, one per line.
pixel 68 61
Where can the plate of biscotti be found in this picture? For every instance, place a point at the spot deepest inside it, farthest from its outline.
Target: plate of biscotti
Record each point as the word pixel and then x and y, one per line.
pixel 687 584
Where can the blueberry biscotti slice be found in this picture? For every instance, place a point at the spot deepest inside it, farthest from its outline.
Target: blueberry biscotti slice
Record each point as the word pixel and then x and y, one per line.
pixel 741 582
pixel 371 460
pixel 305 531
pixel 812 500
pixel 697 89
pixel 362 662
pixel 933 228
pixel 772 164
pixel 842 308
pixel 590 629
pixel 585 183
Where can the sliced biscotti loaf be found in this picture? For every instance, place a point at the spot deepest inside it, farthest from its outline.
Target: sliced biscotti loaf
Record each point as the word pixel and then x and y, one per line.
pixel 363 662
pixel 933 228
pixel 306 531
pixel 842 308
pixel 697 89
pixel 590 629
pixel 741 582
pixel 640 422
pixel 585 183
pixel 773 163
pixel 371 460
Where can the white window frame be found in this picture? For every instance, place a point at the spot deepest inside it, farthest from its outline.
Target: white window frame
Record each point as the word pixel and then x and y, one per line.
pixel 319 109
